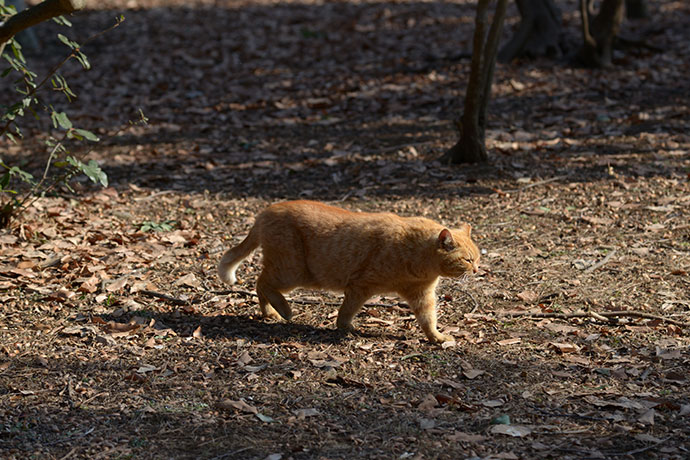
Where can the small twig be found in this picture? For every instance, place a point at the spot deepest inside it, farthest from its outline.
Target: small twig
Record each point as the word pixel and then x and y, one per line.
pixel 51 73
pixel 637 43
pixel 53 261
pixel 159 295
pixel 474 301
pixel 230 454
pixel 554 413
pixel 79 404
pixel 602 316
pixel 392 148
pixel 69 454
pixel 637 451
pixel 596 315
pixel 535 184
pixel 50 158
pixel 73 438
pixel 154 195
pixel 602 262
pixel 235 291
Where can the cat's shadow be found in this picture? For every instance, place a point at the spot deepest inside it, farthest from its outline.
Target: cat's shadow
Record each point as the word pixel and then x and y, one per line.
pixel 247 327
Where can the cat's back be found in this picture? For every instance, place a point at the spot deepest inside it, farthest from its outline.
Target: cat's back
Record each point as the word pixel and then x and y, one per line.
pixel 299 210
pixel 318 221
pixel 313 214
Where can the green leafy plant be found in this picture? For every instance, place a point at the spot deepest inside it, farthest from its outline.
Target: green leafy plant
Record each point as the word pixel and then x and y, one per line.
pixel 166 226
pixel 64 163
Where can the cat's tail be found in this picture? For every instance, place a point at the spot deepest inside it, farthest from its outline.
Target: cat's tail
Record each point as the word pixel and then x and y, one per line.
pixel 233 257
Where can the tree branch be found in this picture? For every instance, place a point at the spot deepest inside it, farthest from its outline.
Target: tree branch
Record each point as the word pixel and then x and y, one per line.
pixel 601 316
pixel 602 262
pixel 37 14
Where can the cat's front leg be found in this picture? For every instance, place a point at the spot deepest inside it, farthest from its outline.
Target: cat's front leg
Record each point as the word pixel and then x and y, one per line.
pixel 423 305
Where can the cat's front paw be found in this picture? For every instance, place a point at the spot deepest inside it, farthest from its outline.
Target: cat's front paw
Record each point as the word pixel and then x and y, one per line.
pixel 440 338
pixel 346 328
pixel 274 315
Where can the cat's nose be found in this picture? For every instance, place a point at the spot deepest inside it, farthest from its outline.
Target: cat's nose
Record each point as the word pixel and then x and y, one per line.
pixel 475 268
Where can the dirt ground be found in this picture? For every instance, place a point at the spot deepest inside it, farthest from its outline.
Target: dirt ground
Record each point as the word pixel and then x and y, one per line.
pixel 118 341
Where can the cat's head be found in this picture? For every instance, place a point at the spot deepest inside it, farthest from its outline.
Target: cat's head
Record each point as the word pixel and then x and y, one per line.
pixel 458 254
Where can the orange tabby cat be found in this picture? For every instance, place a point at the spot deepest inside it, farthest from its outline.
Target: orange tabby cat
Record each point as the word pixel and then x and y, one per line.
pixel 313 245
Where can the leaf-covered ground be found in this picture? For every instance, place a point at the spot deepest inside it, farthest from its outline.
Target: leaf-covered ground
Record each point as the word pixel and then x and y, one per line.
pixel 117 340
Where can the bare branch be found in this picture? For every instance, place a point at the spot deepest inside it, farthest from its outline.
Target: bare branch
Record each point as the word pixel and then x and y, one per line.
pixel 601 263
pixel 37 14
pixel 607 316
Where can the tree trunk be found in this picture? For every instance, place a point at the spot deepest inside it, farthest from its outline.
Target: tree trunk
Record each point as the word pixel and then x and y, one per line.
pixel 599 32
pixel 470 148
pixel 636 9
pixel 539 32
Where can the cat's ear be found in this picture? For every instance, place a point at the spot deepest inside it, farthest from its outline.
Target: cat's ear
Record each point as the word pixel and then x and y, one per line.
pixel 445 240
pixel 466 229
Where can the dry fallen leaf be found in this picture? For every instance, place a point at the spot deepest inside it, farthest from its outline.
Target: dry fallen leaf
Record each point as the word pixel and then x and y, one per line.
pixel 189 280
pixel 244 358
pixel 304 413
pixel 622 402
pixel 145 369
pixel 450 383
pixel 492 403
pixel 654 227
pixel 426 423
pixel 90 285
pixel 117 285
pixel 472 373
pixel 518 431
pixel 597 220
pixel 565 347
pixel 229 404
pixel 668 354
pixel 428 403
pixel 459 436
pixel 528 296
pixel 113 327
pixel 647 418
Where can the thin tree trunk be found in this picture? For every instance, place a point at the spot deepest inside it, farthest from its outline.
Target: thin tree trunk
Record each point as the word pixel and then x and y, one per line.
pixel 539 32
pixel 636 9
pixel 599 32
pixel 489 62
pixel 472 125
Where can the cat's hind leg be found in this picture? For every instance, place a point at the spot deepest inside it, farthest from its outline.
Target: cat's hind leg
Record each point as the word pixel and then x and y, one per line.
pixel 273 304
pixel 352 304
